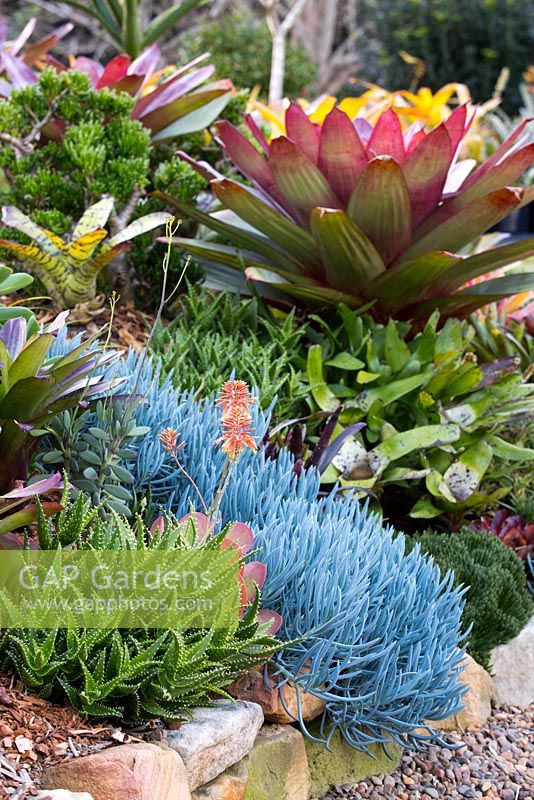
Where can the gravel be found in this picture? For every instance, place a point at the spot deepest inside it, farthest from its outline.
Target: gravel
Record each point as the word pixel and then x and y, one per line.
pixel 495 761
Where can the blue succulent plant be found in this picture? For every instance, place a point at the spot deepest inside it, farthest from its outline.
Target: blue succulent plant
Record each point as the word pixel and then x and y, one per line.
pixel 378 630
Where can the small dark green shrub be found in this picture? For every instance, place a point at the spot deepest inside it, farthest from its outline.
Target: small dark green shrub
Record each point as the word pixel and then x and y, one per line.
pixel 240 47
pixel 103 151
pixel 497 602
pixel 213 335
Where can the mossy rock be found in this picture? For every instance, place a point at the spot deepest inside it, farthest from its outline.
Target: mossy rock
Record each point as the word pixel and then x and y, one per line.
pixel 343 764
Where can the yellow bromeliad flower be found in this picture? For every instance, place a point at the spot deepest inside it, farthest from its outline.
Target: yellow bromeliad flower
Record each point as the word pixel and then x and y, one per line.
pixel 431 108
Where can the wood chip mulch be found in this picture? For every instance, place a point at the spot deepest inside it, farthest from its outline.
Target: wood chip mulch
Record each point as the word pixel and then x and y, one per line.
pixel 131 327
pixel 35 734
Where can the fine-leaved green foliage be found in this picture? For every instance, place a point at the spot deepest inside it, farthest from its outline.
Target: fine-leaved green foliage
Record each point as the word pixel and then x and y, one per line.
pixel 101 151
pixel 213 335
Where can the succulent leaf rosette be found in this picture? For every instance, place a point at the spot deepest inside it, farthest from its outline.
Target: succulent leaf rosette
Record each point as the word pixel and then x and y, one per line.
pixel 346 211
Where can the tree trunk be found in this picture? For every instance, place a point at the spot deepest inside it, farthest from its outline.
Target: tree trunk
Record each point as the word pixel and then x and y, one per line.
pixel 278 67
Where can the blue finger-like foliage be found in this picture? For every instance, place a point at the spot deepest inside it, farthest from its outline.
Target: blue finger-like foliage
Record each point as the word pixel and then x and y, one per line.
pixel 379 630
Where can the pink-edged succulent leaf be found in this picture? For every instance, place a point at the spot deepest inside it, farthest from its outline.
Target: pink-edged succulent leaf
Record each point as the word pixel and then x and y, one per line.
pixel 257 132
pixel 426 172
pixel 203 526
pixel 244 238
pixel 350 259
pixel 301 130
pixel 503 174
pixel 386 138
pixel 473 297
pixel 265 615
pixel 298 179
pixel 254 575
pixel 380 205
pixel 247 158
pixel 342 155
pixel 408 282
pixel 499 154
pixel 241 536
pixel 457 125
pixel 467 269
pixel 52 483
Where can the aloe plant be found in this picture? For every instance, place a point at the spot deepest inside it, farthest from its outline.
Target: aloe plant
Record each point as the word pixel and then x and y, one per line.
pixel 350 212
pixel 433 414
pixel 134 674
pixel 34 388
pixel 69 270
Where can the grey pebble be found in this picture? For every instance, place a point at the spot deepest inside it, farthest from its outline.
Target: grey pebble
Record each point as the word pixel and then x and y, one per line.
pixel 489 763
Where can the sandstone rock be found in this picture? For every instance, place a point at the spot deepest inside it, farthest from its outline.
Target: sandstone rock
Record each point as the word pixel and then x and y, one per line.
pixel 512 665
pixel 216 738
pixel 231 785
pixel 477 701
pixel 130 772
pixel 252 687
pixel 63 794
pixel 277 766
pixel 344 765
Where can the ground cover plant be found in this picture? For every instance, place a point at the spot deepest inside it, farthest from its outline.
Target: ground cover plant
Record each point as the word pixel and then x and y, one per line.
pixel 299 536
pixel 433 413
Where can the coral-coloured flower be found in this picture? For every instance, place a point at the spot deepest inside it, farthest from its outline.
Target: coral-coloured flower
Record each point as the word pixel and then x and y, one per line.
pixel 235 395
pixel 237 433
pixel 169 441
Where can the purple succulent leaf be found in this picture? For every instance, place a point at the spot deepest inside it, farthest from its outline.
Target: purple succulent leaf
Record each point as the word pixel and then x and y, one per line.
pixel 386 138
pixel 301 130
pixel 23 36
pixel 170 90
pixel 13 335
pixel 5 87
pixel 334 447
pixel 363 128
pixel 49 484
pixel 24 426
pixel 93 69
pixel 17 71
pixel 57 324
pixel 146 63
pixel 3 31
pixel 202 167
pixel 315 457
